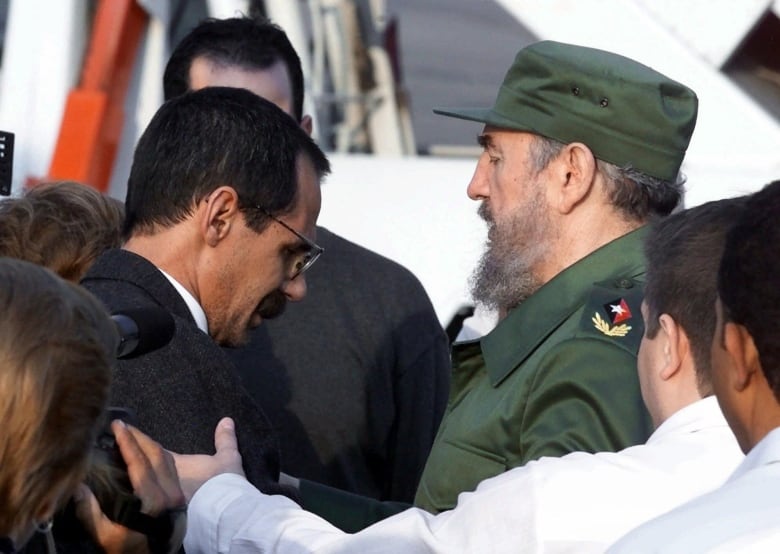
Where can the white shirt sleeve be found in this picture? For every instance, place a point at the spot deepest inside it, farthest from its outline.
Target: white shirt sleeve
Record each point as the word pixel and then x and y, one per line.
pixel 229 516
pixel 578 503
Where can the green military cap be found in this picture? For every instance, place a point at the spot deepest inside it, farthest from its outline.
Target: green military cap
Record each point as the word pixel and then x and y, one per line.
pixel 627 113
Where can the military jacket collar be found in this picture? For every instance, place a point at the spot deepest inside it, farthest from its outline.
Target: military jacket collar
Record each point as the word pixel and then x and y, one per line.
pixel 521 332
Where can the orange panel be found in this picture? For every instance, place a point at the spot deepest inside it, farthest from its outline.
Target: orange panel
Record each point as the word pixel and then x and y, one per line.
pixel 79 135
pixel 94 113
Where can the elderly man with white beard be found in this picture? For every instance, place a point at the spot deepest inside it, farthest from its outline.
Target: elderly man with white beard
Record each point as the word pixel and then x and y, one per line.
pixel 581 149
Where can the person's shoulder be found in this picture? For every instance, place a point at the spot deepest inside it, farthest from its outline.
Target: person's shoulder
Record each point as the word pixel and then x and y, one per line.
pixel 117 263
pixel 343 254
pixel 340 246
pixel 612 313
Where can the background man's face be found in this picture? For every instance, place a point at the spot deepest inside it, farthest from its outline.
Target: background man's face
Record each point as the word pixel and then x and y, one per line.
pixel 272 83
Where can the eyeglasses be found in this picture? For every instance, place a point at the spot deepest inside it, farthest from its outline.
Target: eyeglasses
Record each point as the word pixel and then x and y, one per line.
pixel 305 259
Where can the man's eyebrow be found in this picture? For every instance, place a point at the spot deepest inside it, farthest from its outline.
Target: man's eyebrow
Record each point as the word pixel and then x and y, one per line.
pixel 485 140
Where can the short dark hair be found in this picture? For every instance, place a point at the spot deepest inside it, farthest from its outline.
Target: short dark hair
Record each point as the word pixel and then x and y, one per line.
pixel 747 279
pixel 216 136
pixel 636 195
pixel 240 41
pixel 683 254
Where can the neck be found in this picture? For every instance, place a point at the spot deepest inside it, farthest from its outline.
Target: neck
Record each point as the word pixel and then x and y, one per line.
pixel 580 237
pixel 164 249
pixel 764 417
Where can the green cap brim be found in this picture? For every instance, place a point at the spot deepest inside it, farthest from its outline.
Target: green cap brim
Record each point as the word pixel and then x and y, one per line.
pixel 484 115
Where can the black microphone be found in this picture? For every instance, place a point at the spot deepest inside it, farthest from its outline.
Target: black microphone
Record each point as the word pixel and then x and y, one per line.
pixel 142 330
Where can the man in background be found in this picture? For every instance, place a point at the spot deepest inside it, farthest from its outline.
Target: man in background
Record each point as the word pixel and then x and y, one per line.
pixel 355 379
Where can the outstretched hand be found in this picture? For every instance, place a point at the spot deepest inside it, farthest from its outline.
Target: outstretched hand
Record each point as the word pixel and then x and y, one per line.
pixel 196 469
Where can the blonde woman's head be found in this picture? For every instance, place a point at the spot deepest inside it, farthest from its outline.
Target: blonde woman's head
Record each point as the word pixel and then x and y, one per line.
pixel 57 345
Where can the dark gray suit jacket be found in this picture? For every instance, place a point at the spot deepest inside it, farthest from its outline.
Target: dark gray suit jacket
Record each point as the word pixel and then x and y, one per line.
pixel 181 391
pixel 355 377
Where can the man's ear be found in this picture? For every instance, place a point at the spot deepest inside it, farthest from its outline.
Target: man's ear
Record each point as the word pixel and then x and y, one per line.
pixel 307 124
pixel 676 346
pixel 739 343
pixel 574 170
pixel 219 214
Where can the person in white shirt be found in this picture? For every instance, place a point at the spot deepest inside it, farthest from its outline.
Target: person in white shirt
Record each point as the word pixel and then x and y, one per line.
pixel 580 502
pixel 744 514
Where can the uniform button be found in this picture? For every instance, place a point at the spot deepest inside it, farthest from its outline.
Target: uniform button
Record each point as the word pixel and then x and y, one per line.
pixel 625 284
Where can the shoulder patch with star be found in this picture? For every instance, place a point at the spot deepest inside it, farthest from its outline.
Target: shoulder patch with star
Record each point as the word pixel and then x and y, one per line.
pixel 612 312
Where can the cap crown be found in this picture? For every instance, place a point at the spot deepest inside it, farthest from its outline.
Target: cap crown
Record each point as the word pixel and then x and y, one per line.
pixel 627 113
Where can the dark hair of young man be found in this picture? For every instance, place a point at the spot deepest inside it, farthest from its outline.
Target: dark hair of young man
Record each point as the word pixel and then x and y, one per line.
pixel 748 277
pixel 216 136
pixel 683 252
pixel 239 41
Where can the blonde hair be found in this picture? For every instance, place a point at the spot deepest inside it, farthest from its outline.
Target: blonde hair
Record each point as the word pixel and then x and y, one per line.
pixel 60 225
pixel 56 349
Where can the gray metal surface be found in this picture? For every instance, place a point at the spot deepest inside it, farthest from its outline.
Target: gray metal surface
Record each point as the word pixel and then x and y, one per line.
pixel 453 53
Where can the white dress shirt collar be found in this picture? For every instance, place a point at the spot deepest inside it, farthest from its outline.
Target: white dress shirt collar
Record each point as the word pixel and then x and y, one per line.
pixel 195 308
pixel 691 416
pixel 767 451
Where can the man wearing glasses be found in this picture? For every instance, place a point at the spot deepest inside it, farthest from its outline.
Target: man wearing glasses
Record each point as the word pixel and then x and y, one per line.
pixel 367 333
pixel 222 201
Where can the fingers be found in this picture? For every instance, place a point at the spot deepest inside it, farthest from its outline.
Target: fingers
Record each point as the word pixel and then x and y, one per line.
pixel 111 537
pixel 194 470
pixel 225 437
pixel 151 470
pixel 88 510
pixel 226 444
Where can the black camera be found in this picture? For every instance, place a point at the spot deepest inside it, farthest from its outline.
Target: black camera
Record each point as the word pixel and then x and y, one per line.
pixel 6 162
pixel 107 476
pixel 108 480
pixel 110 483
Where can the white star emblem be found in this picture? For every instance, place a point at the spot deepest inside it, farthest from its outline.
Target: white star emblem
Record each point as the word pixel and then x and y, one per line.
pixel 617 309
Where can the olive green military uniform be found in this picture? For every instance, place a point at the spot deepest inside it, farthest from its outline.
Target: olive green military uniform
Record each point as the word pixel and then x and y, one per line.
pixel 558 375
